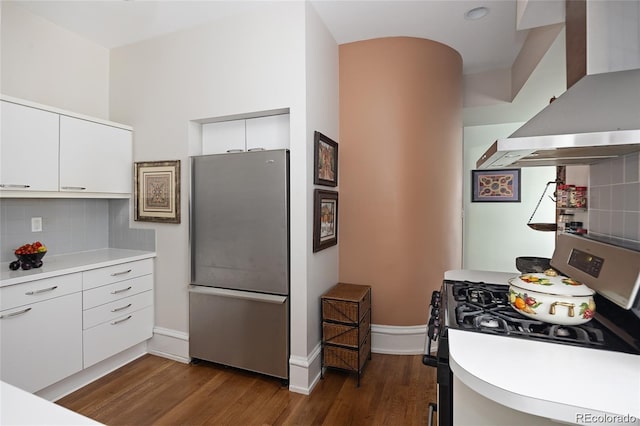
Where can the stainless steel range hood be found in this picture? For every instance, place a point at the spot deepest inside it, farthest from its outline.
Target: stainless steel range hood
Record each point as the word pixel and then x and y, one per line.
pixel 597 118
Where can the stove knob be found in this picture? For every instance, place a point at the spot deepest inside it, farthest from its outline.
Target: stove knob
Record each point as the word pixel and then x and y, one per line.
pixel 435 312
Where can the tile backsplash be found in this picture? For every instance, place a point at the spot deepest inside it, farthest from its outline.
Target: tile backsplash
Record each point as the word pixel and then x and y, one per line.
pixel 69 225
pixel 614 198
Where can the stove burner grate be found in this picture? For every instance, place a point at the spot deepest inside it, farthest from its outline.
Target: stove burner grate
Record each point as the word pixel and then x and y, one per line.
pixel 485 307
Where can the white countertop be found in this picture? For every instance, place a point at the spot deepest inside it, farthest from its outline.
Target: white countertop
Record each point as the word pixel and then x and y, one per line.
pixel 545 379
pixel 18 407
pixel 69 263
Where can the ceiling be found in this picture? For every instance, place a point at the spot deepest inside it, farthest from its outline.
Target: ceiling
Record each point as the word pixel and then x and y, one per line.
pixel 490 43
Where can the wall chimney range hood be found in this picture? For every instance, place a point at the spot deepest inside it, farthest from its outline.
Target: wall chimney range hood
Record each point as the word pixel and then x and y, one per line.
pixel 597 118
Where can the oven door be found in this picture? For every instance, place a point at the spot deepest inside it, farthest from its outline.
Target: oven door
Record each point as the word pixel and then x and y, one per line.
pixel 436 331
pixel 445 383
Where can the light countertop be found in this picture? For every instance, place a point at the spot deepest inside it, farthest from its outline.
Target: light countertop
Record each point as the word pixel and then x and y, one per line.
pixel 70 263
pixel 545 379
pixel 23 408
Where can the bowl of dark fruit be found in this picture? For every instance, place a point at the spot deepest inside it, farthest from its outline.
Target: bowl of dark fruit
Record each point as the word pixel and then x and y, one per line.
pixel 29 256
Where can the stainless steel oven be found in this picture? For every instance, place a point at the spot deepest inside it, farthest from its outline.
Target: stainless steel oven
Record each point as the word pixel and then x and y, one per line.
pixel 483 307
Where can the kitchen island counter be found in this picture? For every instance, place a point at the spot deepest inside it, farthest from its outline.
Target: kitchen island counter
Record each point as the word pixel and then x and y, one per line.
pixel 22 408
pixel 70 263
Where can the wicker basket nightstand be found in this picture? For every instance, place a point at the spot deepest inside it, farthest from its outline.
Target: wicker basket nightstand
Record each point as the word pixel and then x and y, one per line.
pixel 346 327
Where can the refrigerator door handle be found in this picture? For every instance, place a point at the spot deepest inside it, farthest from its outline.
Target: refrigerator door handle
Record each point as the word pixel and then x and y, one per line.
pixel 246 295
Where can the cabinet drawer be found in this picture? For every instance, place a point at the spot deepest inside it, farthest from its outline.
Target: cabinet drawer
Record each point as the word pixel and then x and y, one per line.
pixel 347 303
pixel 111 274
pixel 110 311
pixel 347 359
pixel 39 290
pixel 111 337
pixel 344 334
pixel 116 291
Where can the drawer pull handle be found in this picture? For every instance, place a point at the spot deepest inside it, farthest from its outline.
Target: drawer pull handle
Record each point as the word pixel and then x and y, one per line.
pixel 115 274
pixel 122 290
pixel 121 309
pixel 120 320
pixel 13 185
pixel 43 290
pixel 74 188
pixel 15 314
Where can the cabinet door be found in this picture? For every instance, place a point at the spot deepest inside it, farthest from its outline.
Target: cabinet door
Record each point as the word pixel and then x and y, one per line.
pixel 28 148
pixel 270 132
pixel 94 157
pixel 41 343
pixel 225 136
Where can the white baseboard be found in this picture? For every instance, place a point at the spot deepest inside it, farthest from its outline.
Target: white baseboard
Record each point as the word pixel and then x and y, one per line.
pixel 88 375
pixel 171 344
pixel 398 340
pixel 304 372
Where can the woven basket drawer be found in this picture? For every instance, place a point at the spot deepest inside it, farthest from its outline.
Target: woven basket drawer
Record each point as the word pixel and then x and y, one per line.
pixel 347 359
pixel 346 335
pixel 347 311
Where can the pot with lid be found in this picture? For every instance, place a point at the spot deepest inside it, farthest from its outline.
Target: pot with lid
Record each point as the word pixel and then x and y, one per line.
pixel 552 298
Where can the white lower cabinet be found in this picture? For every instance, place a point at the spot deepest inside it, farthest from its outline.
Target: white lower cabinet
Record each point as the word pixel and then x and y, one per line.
pixel 117 309
pixel 52 328
pixel 41 341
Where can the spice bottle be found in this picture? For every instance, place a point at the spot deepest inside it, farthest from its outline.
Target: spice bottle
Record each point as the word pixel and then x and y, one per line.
pixel 571 189
pixel 561 195
pixel 581 196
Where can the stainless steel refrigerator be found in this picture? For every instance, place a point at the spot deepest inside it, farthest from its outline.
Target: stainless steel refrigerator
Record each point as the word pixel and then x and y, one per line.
pixel 239 230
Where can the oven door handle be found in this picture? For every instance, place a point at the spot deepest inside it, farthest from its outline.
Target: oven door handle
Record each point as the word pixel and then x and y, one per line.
pixel 430 360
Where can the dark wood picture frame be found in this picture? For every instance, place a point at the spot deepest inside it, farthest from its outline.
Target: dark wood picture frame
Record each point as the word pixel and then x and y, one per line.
pixel 325 219
pixel 325 160
pixel 157 191
pixel 493 186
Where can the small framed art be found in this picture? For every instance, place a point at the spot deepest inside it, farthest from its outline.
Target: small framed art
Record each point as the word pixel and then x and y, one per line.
pixel 495 185
pixel 325 219
pixel 157 191
pixel 325 160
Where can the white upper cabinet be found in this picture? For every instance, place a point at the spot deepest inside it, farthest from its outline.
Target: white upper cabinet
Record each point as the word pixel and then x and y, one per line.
pixel 28 149
pixel 46 152
pixel 94 157
pixel 225 136
pixel 269 132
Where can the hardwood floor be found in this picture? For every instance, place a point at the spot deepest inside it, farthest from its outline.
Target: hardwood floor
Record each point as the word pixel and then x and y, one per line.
pixel 394 390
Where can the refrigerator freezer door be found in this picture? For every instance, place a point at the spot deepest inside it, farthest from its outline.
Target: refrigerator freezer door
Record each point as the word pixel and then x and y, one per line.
pixel 240 329
pixel 239 221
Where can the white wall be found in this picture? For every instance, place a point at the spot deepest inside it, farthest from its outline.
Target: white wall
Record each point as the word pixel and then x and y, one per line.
pixel 322 106
pixel 496 233
pixel 44 63
pixel 251 62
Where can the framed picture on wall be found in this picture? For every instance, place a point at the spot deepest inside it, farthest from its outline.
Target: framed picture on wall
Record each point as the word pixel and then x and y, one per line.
pixel 325 160
pixel 495 185
pixel 157 191
pixel 325 219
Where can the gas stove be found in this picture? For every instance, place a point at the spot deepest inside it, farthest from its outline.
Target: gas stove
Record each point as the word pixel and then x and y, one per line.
pixel 485 308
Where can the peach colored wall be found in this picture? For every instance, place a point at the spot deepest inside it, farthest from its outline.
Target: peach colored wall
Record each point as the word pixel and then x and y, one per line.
pixel 400 172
